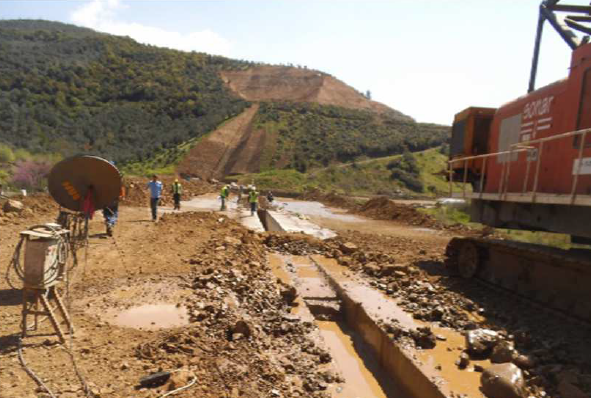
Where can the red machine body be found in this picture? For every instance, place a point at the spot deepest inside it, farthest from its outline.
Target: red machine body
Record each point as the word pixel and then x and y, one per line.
pixel 558 108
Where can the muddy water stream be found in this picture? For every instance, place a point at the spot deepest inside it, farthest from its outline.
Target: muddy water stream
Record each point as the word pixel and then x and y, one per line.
pixel 357 364
pixel 352 358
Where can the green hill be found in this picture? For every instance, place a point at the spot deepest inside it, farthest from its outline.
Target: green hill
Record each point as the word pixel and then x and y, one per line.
pixel 68 89
pixel 362 178
pixel 303 136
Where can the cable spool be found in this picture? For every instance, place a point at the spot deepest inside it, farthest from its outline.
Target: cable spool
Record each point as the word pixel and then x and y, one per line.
pixel 46 253
pixel 71 180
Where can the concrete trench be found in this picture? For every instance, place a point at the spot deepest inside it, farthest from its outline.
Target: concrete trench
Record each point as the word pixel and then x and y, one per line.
pixel 343 304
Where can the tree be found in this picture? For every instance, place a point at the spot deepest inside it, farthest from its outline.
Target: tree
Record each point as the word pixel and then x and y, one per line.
pixel 30 174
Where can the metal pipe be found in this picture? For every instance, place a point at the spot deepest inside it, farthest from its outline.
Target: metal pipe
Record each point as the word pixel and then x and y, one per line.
pixel 526 180
pixel 506 181
pixel 451 180
pixel 579 165
pixel 482 173
pixel 535 191
pixel 536 56
pixel 465 178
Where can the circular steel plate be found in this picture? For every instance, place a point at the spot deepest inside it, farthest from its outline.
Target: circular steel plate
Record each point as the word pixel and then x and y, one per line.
pixel 70 180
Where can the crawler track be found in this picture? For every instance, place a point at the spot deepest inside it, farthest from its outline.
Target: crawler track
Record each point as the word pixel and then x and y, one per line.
pixel 555 278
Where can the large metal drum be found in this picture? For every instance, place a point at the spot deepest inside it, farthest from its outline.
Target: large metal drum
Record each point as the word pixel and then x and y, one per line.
pixel 71 179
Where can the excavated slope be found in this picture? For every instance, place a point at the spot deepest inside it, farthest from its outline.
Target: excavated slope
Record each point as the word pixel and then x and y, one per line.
pixel 232 148
pixel 300 85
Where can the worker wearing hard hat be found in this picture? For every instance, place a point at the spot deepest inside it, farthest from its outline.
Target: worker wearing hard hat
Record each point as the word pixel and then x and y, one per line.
pixel 224 195
pixel 177 190
pixel 253 199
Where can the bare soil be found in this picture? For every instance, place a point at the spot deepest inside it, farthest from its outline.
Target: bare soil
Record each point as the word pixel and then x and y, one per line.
pixel 240 341
pixel 303 85
pixel 233 148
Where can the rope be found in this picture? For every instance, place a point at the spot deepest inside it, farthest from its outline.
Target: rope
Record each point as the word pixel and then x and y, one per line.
pixel 30 371
pixel 70 349
pixel 189 385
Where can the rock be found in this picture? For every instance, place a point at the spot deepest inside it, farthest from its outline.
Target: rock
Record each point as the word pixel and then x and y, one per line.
pixel 503 352
pixel 399 274
pixel 480 341
pixel 464 361
pixel 371 268
pixel 232 241
pixel 348 248
pixel 569 390
pixel 13 206
pixel 424 338
pixel 178 380
pixel 289 294
pixel 524 361
pixel 503 381
pixel 243 328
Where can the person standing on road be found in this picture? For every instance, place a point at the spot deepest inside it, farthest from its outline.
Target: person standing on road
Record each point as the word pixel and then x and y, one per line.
pixel 253 199
pixel 240 191
pixel 224 194
pixel 155 188
pixel 111 212
pixel 177 190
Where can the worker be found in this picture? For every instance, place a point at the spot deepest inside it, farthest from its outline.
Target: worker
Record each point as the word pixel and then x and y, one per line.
pixel 111 212
pixel 240 191
pixel 177 190
pixel 155 188
pixel 224 195
pixel 253 199
pixel 270 197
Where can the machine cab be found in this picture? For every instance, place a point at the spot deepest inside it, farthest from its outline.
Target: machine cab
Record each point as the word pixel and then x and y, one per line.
pixel 469 137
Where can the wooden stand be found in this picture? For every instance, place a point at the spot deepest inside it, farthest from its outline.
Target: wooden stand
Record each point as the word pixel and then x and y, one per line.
pixel 31 299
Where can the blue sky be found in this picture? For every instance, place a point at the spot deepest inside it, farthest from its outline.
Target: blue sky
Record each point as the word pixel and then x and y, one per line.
pixel 427 58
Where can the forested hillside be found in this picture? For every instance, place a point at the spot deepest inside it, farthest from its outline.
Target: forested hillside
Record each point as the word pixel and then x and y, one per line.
pixel 67 89
pixel 307 135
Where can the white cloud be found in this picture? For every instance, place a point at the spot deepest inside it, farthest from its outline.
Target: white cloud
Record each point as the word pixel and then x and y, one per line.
pixel 101 15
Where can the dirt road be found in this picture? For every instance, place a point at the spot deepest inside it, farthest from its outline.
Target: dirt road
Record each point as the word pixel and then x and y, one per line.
pixel 207 265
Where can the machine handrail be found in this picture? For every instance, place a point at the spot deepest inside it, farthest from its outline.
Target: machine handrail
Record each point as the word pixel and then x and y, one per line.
pixel 517 148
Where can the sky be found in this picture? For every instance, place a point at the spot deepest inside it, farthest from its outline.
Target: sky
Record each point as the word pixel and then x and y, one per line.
pixel 429 59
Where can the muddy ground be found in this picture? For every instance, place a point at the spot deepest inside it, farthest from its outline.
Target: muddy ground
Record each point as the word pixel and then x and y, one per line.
pixel 210 276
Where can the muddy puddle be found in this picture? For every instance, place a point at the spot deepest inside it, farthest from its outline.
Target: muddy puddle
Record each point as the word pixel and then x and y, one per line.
pixel 150 316
pixel 141 304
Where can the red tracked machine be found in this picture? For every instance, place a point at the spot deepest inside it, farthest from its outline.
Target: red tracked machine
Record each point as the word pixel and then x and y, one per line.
pixel 529 166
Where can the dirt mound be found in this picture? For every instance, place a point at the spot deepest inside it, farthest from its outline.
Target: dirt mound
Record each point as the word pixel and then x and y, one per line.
pixel 329 199
pixel 136 193
pixel 233 148
pixel 302 85
pixel 33 206
pixel 382 208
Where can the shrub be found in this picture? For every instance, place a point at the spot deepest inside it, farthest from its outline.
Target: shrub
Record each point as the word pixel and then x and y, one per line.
pixel 30 174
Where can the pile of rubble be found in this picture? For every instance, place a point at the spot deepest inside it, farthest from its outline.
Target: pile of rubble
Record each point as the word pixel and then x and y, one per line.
pixel 542 360
pixel 22 208
pixel 240 324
